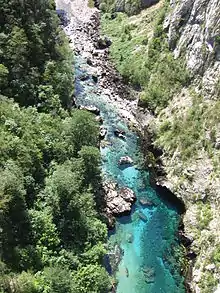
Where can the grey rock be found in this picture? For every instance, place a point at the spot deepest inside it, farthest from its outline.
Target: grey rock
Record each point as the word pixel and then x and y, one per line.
pixel 126 160
pixel 192 27
pixel 102 132
pixel 118 201
pixel 91 109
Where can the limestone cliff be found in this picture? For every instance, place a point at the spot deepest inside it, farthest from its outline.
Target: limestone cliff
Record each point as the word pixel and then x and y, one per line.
pixel 194 30
pixel 188 130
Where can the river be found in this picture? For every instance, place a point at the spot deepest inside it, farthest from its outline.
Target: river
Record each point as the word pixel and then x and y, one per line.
pixel 148 237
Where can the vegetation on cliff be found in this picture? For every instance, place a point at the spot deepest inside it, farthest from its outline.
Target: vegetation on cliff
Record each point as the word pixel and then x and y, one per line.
pixel 51 236
pixel 186 104
pixel 141 54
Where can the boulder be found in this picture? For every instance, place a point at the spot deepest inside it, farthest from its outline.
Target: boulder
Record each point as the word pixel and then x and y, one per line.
pixel 91 109
pixel 84 76
pixel 102 132
pixel 126 160
pixel 127 194
pixel 119 133
pixel 99 119
pixel 95 78
pixel 89 61
pixel 118 201
pixel 185 240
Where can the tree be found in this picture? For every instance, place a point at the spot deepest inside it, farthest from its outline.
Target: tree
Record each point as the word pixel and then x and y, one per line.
pixel 55 280
pixel 81 130
pixel 91 161
pixel 91 278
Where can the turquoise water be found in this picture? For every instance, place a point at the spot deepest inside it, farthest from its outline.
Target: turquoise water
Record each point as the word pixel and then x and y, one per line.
pixel 148 237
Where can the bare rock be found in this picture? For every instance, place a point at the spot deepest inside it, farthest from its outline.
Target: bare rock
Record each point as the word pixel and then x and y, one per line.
pixel 125 161
pixel 91 109
pixel 102 132
pixel 118 201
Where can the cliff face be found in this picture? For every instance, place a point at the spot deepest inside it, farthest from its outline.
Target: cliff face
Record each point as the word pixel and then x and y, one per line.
pixel 189 132
pixel 194 30
pixel 187 124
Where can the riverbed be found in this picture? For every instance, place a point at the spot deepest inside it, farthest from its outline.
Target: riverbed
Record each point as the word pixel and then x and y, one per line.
pixel 150 262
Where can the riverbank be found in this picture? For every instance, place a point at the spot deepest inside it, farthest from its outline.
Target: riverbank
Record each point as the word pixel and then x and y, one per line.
pixel 83 32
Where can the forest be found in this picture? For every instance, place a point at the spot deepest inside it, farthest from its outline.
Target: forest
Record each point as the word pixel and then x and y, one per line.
pixel 52 238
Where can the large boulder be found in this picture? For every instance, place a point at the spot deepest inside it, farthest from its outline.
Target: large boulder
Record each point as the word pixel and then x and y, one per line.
pixel 118 201
pixel 126 160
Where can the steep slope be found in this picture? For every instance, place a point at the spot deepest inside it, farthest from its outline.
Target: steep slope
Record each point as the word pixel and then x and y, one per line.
pixel 171 53
pixel 194 29
pixel 188 130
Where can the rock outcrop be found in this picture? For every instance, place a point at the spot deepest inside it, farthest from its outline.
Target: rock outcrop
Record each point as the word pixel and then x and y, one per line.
pixel 194 31
pixel 118 201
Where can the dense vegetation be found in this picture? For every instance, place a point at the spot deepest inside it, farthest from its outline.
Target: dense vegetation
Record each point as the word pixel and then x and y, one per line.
pixel 34 56
pixel 145 60
pixel 130 7
pixel 51 236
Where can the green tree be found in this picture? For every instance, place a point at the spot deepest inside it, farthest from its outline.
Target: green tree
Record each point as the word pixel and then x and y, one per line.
pixel 91 278
pixel 81 130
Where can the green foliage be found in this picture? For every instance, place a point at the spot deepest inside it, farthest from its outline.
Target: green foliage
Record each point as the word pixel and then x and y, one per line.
pixel 91 278
pixel 216 255
pixel 34 52
pixel 208 283
pixel 146 63
pixel 168 76
pixel 3 76
pixel 187 132
pixel 50 230
pixel 128 6
pixel 55 279
pixel 81 129
pixel 49 172
pixel 51 236
pixel 204 215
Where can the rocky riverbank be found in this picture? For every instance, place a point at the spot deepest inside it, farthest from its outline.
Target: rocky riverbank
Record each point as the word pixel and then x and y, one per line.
pixel 82 28
pixel 84 36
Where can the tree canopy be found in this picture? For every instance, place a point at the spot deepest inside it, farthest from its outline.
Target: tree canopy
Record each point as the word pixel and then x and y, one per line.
pixel 52 238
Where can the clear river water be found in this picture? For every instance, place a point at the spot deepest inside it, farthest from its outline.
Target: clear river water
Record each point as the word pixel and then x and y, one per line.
pixel 148 237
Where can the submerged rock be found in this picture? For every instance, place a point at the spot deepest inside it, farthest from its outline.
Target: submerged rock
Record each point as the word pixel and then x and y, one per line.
pixel 149 274
pixel 127 272
pixel 145 202
pixel 115 256
pixel 130 238
pixel 142 216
